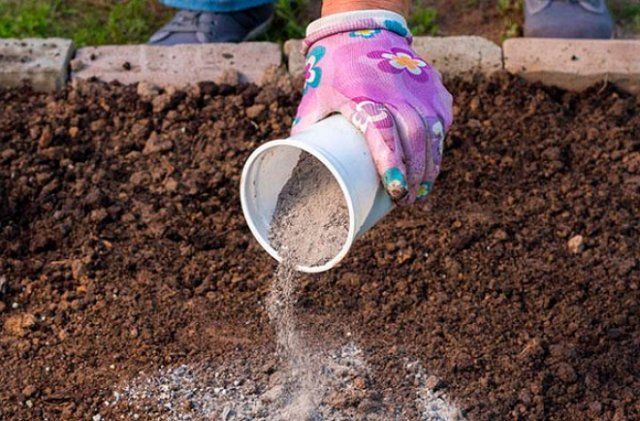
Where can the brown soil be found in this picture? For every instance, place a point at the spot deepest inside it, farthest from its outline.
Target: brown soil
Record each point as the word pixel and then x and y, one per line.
pixel 123 249
pixel 471 17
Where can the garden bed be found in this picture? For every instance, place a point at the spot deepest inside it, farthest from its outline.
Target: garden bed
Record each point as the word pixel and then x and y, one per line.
pixel 131 286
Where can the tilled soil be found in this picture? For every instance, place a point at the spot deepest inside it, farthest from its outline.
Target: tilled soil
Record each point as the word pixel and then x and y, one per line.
pixel 130 286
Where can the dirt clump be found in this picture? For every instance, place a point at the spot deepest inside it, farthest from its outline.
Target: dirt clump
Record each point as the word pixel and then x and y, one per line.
pixel 19 324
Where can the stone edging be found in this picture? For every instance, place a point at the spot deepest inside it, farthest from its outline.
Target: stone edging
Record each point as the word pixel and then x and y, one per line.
pixel 452 56
pixel 177 66
pixel 41 63
pixel 569 64
pixel 575 64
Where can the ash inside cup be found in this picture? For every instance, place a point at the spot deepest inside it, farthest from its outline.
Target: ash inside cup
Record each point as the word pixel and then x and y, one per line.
pixel 311 221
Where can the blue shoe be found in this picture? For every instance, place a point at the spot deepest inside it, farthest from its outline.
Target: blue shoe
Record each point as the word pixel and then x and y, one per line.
pixel 191 27
pixel 567 19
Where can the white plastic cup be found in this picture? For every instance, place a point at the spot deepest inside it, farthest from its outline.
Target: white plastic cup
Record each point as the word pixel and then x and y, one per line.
pixel 343 150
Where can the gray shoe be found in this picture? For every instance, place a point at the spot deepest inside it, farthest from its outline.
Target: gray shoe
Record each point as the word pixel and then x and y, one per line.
pixel 567 19
pixel 190 27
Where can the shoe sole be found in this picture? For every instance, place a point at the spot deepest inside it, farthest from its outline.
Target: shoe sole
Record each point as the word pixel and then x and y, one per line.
pixel 258 30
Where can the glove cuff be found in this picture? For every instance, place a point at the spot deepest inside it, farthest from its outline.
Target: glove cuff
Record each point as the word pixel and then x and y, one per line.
pixel 359 20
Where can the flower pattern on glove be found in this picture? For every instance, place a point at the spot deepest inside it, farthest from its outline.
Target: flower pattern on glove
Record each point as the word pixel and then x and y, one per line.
pixel 364 33
pixel 399 60
pixel 313 72
pixel 393 180
pixel 424 189
pixel 368 112
pixel 397 27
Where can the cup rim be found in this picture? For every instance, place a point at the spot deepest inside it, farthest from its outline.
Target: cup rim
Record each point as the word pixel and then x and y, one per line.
pixel 319 155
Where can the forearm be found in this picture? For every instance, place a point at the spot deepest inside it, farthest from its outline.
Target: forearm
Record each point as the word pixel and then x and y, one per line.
pixel 338 6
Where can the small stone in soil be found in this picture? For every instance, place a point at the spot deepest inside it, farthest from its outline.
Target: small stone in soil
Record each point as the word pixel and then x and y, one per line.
pixel 576 244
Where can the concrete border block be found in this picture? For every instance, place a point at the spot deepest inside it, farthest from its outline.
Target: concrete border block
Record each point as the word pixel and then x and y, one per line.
pixel 41 63
pixel 452 56
pixel 460 56
pixel 569 64
pixel 177 66
pixel 575 64
pixel 295 58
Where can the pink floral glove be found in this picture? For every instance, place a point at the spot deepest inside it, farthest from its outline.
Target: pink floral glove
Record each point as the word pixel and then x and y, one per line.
pixel 361 65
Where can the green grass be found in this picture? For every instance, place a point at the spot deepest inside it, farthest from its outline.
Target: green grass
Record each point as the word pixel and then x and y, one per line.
pixel 511 12
pixel 87 22
pixel 424 21
pixel 293 16
pixel 100 22
pixel 290 20
pixel 627 14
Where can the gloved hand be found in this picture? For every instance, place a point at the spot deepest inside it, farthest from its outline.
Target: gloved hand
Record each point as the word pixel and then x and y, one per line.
pixel 361 65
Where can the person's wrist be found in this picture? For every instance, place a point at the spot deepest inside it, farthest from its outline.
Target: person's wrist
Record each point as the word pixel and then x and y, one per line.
pixel 330 7
pixel 357 20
